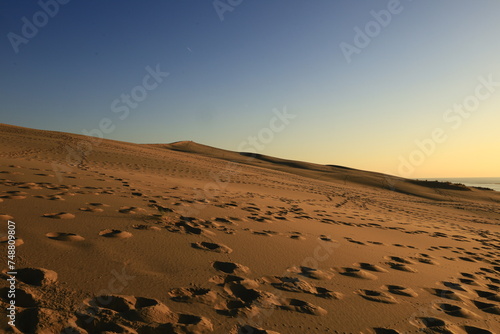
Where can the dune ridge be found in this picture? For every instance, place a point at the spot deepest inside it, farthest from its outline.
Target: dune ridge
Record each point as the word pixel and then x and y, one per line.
pixel 116 237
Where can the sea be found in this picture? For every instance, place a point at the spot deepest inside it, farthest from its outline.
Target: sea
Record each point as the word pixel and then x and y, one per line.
pixel 487 182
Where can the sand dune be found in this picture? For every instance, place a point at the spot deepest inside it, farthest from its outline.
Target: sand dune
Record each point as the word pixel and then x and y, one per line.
pixel 116 237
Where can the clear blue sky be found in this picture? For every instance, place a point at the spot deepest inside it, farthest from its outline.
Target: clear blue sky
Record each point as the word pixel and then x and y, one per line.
pixel 226 77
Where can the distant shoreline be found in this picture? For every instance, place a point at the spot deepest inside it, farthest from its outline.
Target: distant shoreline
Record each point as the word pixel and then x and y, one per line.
pixel 485 182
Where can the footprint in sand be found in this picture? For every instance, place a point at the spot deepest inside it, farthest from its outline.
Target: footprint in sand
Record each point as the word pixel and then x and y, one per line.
pixel 111 233
pixel 492 279
pixel 476 330
pixel 60 215
pixel 14 194
pixel 130 209
pixel 17 242
pixel 402 267
pixel 262 233
pixel 63 236
pixel 55 198
pixel 24 298
pixel 161 209
pixel 36 276
pixel 401 290
pixel 193 295
pixel 371 267
pixel 119 303
pixel 488 295
pixel 189 228
pixel 146 227
pixel 380 330
pixel 427 261
pixel 95 204
pixel 326 238
pixel 453 285
pixel 447 294
pixel 468 281
pixel 487 307
pixel 246 289
pixel 425 255
pixel 378 243
pixel 250 208
pixel 357 273
pixel 260 219
pixel 212 247
pixel 399 259
pixel 153 315
pixel 312 273
pixel 425 258
pixel 377 296
pixel 249 329
pixel 486 270
pixel 294 284
pixel 493 287
pixel 237 308
pixel 31 185
pixel 224 221
pixel 435 325
pixel 354 241
pixel 91 209
pixel 456 311
pixel 301 306
pixel 231 268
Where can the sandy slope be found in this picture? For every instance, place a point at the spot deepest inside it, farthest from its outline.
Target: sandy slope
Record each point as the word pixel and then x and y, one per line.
pixel 184 238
